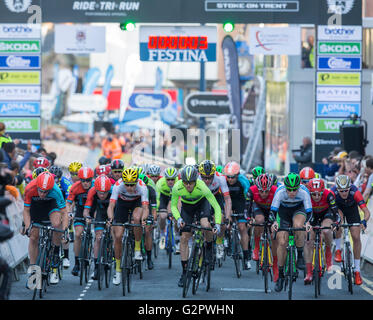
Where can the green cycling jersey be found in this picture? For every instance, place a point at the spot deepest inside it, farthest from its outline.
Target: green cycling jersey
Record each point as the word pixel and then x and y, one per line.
pixel 200 191
pixel 162 187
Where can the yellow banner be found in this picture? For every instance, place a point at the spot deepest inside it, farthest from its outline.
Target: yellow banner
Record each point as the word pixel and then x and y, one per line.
pixel 19 77
pixel 339 79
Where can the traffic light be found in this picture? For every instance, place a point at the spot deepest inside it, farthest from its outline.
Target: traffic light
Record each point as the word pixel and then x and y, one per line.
pixel 127 26
pixel 228 27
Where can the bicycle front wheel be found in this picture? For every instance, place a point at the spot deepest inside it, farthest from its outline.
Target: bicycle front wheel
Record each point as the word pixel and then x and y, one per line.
pixel 236 254
pixel 316 272
pixel 348 255
pixel 291 267
pixel 190 269
pixel 265 265
pixel 100 265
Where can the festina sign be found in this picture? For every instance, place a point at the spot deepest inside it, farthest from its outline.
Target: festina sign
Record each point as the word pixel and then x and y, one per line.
pixel 185 44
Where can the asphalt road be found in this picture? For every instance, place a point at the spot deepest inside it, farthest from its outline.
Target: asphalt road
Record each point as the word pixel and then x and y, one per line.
pixel 161 284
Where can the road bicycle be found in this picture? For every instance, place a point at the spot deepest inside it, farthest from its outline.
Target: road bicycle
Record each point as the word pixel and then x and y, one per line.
pixel 236 249
pixel 170 239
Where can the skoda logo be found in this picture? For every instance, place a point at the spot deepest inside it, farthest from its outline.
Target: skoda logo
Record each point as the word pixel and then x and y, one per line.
pixel 17 5
pixel 340 6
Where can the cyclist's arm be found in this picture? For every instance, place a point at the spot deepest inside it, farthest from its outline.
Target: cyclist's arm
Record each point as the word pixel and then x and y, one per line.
pixel 26 217
pixel 211 198
pixel 110 210
pixel 228 206
pixel 245 183
pixel 333 206
pixel 174 203
pixel 249 201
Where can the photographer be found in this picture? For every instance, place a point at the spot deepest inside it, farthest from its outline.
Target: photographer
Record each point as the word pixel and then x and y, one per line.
pixel 304 156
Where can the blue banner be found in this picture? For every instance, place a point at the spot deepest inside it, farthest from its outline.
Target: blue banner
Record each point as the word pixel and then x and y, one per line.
pixel 337 109
pixel 91 80
pixel 149 101
pixel 17 108
pixel 339 63
pixel 108 77
pixel 19 62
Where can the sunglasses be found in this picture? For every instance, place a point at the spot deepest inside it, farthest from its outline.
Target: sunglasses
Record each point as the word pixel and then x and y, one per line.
pixel 154 176
pixel 316 194
pixel 207 177
pixel 231 177
pixel 130 184
pixel 86 180
pixel 170 179
pixel 42 191
pixel 344 191
pixel 189 182
pixel 102 193
pixel 292 189
pixel 266 191
pixel 116 171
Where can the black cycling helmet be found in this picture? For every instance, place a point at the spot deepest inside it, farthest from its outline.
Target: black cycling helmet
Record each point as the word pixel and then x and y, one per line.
pixel 103 160
pixel 57 171
pixel 189 173
pixel 117 164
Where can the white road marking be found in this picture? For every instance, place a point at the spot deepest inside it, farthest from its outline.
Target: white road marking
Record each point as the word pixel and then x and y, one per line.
pixel 244 289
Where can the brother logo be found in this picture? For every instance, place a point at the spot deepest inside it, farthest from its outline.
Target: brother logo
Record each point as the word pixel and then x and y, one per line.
pixel 340 31
pixel 16 29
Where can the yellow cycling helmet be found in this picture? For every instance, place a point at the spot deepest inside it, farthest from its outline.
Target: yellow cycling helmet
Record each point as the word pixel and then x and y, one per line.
pixel 130 175
pixel 75 166
pixel 38 171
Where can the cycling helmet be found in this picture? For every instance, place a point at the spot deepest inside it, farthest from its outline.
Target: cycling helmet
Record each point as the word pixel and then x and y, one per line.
pixel 57 171
pixel 232 168
pixel 257 171
pixel 292 181
pixel 170 173
pixel 102 183
pixel 117 165
pixel 104 160
pixel 45 181
pixel 154 170
pixel 85 173
pixel 38 171
pixel 343 182
pixel 316 185
pixel 144 178
pixel 140 170
pixel 103 169
pixel 264 182
pixel 41 162
pixel 274 179
pixel 207 168
pixel 219 169
pixel 75 166
pixel 130 175
pixel 189 173
pixel 306 174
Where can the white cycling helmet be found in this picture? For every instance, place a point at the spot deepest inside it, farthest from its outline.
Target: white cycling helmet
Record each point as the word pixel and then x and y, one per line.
pixel 343 182
pixel 154 170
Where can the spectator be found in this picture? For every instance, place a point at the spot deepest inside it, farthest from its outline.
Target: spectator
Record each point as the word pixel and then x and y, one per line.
pixel 308 53
pixel 304 156
pixel 329 171
pixel 52 157
pixel 343 163
pixel 368 172
pixel 9 154
pixel 112 148
pixel 4 138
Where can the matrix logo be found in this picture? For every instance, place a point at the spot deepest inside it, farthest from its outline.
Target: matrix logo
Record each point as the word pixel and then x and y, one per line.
pixel 18 5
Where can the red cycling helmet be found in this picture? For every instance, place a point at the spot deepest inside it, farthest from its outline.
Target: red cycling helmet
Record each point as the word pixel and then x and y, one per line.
pixel 102 183
pixel 306 174
pixel 45 181
pixel 41 162
pixel 316 185
pixel 103 169
pixel 85 173
pixel 232 168
pixel 264 182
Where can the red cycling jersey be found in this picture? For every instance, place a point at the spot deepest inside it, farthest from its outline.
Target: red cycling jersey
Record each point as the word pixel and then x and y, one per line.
pixel 264 204
pixel 327 201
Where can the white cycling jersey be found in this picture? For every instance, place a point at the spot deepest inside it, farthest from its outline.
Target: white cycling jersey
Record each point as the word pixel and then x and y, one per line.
pixel 120 191
pixel 218 183
pixel 281 198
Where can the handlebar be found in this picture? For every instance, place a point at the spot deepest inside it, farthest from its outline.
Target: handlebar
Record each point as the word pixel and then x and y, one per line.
pixel 46 227
pixel 126 225
pixel 347 225
pixel 195 226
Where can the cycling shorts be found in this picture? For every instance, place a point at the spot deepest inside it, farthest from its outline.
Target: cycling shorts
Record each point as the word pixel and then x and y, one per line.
pixel 163 201
pixel 352 214
pixel 286 215
pixel 239 207
pixel 260 211
pixel 41 209
pixel 318 218
pixel 125 208
pixel 197 211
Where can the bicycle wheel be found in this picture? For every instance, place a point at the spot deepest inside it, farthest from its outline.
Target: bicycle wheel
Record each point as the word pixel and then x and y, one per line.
pixel 265 266
pixel 190 268
pixel 88 260
pixel 316 271
pixel 236 254
pixel 155 241
pixel 348 255
pixel 129 266
pixel 81 260
pixel 100 264
pixel 207 272
pixel 169 244
pixel 197 271
pixel 124 263
pixel 291 273
pixel 40 262
pixel 109 262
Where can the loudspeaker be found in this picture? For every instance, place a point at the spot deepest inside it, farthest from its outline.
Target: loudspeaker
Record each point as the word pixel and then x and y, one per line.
pixel 352 138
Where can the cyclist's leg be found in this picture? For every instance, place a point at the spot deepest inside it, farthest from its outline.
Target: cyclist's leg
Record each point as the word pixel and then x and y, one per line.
pixel 121 215
pixel 338 240
pixel 328 238
pixel 308 252
pixel 259 218
pixel 353 216
pixel 137 231
pixel 187 215
pixel 163 211
pixel 299 218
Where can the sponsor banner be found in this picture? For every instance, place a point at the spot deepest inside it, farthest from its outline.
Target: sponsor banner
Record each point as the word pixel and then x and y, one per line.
pixel 19 62
pixel 339 48
pixel 340 33
pixel 19 108
pixel 21 124
pixel 339 79
pixel 19 46
pixel 21 31
pixel 149 100
pixel 71 39
pixel 24 137
pixel 337 109
pixel 339 63
pixel 19 77
pixel 252 6
pixel 29 93
pixel 186 44
pixel 272 41
pixel 329 125
pixel 206 104
pixel 344 94
pixel 325 143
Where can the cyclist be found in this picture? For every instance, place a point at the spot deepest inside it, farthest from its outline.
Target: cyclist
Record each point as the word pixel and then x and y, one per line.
pixel 98 198
pixel 78 196
pixel 164 187
pixel 238 186
pixel 218 185
pixel 275 180
pixel 104 161
pixel 154 172
pixel 306 174
pixel 117 167
pixel 325 213
pixel 64 184
pixel 196 199
pixel 349 199
pixel 41 162
pixel 38 171
pixel 129 197
pixel 292 204
pixel 260 197
pixel 73 170
pixel 256 172
pixel 219 169
pixel 153 213
pixel 43 202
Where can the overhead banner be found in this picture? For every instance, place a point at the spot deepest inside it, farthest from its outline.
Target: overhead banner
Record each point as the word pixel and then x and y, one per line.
pixel 274 40
pixel 186 44
pixel 182 11
pixel 79 39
